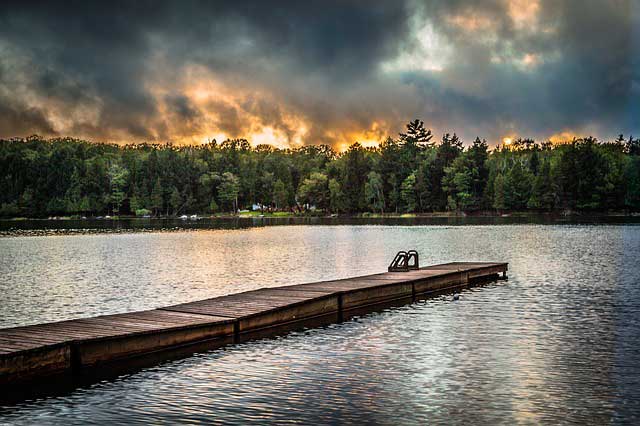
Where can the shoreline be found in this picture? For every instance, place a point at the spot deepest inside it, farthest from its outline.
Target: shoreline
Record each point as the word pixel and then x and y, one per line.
pixel 366 215
pixel 13 228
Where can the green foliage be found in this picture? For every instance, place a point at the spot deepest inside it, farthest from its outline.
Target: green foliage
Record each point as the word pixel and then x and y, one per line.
pixel 9 209
pixel 279 194
pixel 143 212
pixel 633 182
pixel 175 200
pixel 517 189
pixel 156 199
pixel 213 206
pixel 337 202
pixel 542 193
pixel 117 182
pixel 354 177
pixel 465 180
pixel 499 198
pixel 409 173
pixel 229 189
pixel 408 193
pixel 314 190
pixel 374 192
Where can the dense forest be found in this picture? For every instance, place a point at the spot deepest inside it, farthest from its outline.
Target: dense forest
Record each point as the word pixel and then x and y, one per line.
pixel 412 173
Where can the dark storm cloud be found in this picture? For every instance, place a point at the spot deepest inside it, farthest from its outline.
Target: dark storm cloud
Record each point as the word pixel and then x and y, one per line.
pixel 24 120
pixel 119 71
pixel 181 105
pixel 583 77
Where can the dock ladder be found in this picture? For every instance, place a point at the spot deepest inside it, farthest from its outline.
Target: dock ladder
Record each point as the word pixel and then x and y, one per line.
pixel 404 261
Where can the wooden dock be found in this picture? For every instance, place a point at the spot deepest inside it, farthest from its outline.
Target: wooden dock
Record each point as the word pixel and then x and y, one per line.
pixel 36 351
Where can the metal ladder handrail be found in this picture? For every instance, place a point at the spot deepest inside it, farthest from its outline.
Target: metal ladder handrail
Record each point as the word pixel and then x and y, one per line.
pixel 404 261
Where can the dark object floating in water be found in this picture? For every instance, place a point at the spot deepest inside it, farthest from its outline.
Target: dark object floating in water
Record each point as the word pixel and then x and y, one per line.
pixel 456 296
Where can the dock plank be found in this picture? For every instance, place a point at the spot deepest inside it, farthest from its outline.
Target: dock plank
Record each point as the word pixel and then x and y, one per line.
pixel 41 349
pixel 101 327
pixel 463 266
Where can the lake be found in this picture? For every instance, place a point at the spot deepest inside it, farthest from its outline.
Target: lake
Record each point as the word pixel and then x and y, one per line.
pixel 558 342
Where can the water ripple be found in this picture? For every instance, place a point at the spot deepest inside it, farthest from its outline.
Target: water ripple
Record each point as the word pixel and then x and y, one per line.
pixel 557 343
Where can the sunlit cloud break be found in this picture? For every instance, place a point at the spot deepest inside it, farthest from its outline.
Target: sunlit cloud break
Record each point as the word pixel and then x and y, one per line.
pixel 299 73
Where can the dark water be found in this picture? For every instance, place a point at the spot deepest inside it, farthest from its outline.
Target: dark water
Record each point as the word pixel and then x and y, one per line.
pixel 35 227
pixel 557 343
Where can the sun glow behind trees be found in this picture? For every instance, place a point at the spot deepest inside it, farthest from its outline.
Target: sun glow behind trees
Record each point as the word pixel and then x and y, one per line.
pixel 412 173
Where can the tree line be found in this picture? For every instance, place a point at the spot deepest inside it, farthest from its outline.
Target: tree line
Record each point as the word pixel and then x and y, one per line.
pixel 411 173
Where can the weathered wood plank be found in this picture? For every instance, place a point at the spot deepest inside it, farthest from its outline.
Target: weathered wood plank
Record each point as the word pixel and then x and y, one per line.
pixel 95 351
pixel 37 350
pixel 24 365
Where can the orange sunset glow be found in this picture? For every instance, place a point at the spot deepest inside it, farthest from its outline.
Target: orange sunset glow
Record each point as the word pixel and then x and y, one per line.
pixel 473 69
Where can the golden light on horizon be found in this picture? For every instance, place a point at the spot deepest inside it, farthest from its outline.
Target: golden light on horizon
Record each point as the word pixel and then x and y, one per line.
pixel 507 141
pixel 563 137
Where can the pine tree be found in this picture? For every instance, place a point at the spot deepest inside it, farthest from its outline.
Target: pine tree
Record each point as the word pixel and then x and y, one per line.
pixel 517 187
pixel 117 180
pixel 229 189
pixel 314 190
pixel 408 193
pixel 542 195
pixel 156 198
pixel 499 196
pixel 416 134
pixel 336 196
pixel 374 192
pixel 355 175
pixel 175 200
pixel 213 206
pixel 279 194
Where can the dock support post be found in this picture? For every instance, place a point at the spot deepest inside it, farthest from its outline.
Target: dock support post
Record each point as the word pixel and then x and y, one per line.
pixel 340 313
pixel 75 361
pixel 236 331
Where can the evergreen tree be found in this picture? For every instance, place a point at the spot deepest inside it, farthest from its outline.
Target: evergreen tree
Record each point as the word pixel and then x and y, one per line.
pixel 117 181
pixel 229 189
pixel 632 146
pixel 446 153
pixel 499 199
pixel 314 190
pixel 534 162
pixel 374 192
pixel 355 175
pixel 408 193
pixel 279 194
pixel 542 193
pixel 632 197
pixel 41 177
pixel 213 206
pixel 517 187
pixel 175 200
pixel 156 199
pixel 416 134
pixel 392 170
pixel 336 196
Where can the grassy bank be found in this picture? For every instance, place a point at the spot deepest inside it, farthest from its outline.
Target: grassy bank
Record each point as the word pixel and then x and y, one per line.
pixel 369 215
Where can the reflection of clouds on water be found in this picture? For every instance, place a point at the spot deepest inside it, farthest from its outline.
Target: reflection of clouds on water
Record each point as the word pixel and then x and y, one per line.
pixel 557 342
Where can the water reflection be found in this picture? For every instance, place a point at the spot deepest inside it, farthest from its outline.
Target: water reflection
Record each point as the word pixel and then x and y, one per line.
pixel 33 227
pixel 556 343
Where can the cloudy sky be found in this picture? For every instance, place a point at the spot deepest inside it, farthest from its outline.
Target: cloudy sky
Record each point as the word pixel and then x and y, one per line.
pixel 307 72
